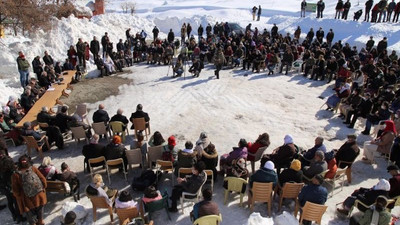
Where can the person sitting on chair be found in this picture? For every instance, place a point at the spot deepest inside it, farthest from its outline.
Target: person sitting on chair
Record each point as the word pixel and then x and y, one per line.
pixel 125 200
pixel 63 120
pixel 366 195
pixel 93 150
pixel 68 176
pixel 206 207
pixel 115 150
pixel 101 115
pixel 283 155
pixel 308 155
pixel 379 209
pixel 190 185
pixel 317 166
pixel 97 188
pixel 237 153
pixel 120 118
pixel 139 114
pixel 151 194
pixel 348 152
pixel 382 144
pixel 48 170
pixel 293 174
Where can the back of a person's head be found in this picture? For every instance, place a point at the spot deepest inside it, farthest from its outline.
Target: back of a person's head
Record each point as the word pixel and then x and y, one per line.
pixel 139 107
pixel 46 161
pixel 158 138
pixel 125 196
pixel 150 192
pixel 120 111
pixel 199 166
pixel 70 218
pixel 207 194
pixel 188 145
pixel 64 109
pixel 97 179
pixel 101 106
pixel 380 203
pixel 242 143
pixel 64 166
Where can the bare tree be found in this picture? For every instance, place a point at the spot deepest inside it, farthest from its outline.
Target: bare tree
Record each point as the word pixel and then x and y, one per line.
pixel 132 7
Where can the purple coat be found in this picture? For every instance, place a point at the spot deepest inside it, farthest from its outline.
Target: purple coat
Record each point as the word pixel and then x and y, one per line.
pixel 236 154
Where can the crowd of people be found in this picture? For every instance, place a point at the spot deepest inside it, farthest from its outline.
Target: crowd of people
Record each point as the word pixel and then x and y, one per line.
pixel 365 86
pixel 380 12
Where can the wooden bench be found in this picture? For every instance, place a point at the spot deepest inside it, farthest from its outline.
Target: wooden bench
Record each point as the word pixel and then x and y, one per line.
pixel 59 187
pixel 49 98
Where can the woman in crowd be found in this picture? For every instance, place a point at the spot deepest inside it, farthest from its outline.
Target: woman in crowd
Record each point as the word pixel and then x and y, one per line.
pixel 48 170
pixel 381 144
pixel 125 200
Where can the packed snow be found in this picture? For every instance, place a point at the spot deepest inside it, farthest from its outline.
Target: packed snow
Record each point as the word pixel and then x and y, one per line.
pixel 234 107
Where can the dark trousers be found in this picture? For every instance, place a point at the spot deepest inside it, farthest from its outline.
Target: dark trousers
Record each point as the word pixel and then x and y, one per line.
pixel 176 195
pixel 35 216
pixel 366 18
pixel 354 119
pixel 12 205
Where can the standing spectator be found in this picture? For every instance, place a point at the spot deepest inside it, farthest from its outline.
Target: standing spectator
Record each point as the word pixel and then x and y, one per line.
pixel 259 13
pixel 80 52
pixel 7 169
pixel 396 13
pixel 47 59
pixel 23 69
pixel 390 8
pixel 370 43
pixel 320 35
pixel 104 42
pixel 254 11
pixel 320 9
pixel 72 55
pixel 183 33
pixel 200 31
pixel 29 188
pixel 339 9
pixel 368 7
pixel 329 37
pixel 171 36
pixel 219 61
pixel 310 36
pixel 95 48
pixel 346 9
pixel 188 30
pixel 155 33
pixel 382 45
pixel 382 10
pixel 303 8
pixel 37 66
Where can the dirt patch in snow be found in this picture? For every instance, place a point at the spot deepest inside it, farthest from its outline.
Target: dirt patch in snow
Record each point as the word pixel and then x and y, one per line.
pixel 94 90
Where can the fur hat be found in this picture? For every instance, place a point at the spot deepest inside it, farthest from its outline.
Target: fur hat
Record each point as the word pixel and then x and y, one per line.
pixel 382 185
pixel 269 165
pixel 295 165
pixel 288 139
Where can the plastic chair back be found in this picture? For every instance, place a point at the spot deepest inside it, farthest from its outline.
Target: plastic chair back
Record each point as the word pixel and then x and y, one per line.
pixel 154 153
pixel 235 184
pixel 209 220
pixel 183 172
pixel 210 178
pixel 134 156
pixel 139 123
pixel 79 133
pixel 127 213
pixel 262 192
pixel 100 128
pixel 96 161
pixel 313 212
pixel 117 126
pixel 291 190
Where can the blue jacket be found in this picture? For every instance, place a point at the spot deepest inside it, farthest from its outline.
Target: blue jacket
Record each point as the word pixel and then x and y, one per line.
pixel 313 193
pixel 263 176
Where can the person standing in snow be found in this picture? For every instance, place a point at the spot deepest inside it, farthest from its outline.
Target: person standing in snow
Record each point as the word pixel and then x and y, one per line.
pixel 80 52
pixel 390 9
pixel 188 30
pixel 303 8
pixel 339 9
pixel 320 8
pixel 155 33
pixel 346 9
pixel 329 37
pixel 171 36
pixel 95 48
pixel 219 61
pixel 23 69
pixel 254 10
pixel 368 7
pixel 259 13
pixel 104 42
pixel 396 13
pixel 200 31
pixel 320 35
pixel 183 33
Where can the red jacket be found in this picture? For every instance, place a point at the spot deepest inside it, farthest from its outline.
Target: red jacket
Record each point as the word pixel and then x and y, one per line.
pixel 332 169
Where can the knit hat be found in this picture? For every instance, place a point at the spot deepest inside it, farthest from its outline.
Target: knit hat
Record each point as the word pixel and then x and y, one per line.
pixel 382 185
pixel 288 139
pixel 116 139
pixel 392 167
pixel 269 165
pixel 171 140
pixel 295 165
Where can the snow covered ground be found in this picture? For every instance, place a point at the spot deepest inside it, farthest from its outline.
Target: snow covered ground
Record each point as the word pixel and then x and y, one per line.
pixel 234 107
